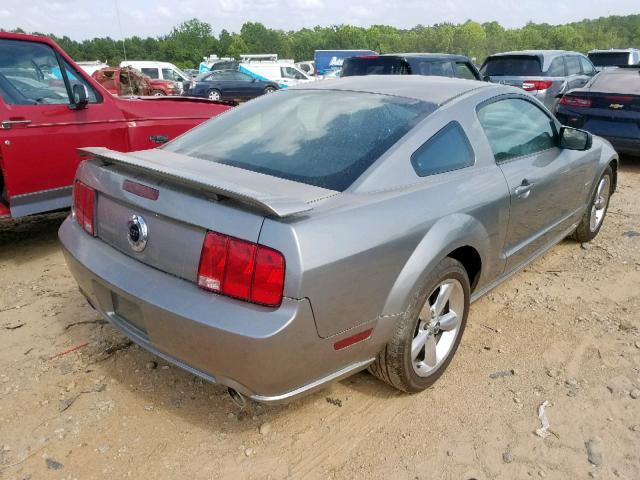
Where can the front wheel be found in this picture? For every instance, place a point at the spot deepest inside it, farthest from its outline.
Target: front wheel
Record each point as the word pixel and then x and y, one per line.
pixel 214 95
pixel 593 217
pixel 269 90
pixel 426 338
pixel 158 93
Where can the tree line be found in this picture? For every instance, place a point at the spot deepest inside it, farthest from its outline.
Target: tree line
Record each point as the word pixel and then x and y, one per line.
pixel 194 39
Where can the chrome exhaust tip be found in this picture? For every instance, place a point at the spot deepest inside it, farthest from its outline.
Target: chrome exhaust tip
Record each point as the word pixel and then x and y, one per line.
pixel 237 398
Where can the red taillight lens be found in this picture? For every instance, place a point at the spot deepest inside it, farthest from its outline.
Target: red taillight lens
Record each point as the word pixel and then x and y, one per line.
pixel 570 101
pixel 84 198
pixel 533 85
pixel 241 269
pixel 240 266
pixel 213 261
pixel 268 277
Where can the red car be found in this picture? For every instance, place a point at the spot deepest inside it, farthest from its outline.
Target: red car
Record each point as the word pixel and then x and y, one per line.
pixel 128 81
pixel 49 108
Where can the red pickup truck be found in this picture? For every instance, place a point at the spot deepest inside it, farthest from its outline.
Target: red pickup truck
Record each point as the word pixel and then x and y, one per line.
pixel 49 108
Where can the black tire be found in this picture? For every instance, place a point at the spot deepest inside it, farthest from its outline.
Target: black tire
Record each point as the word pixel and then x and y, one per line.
pixel 393 364
pixel 584 232
pixel 158 93
pixel 269 89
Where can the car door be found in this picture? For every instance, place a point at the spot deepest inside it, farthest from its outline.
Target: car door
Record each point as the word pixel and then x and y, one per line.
pixel 543 194
pixel 247 86
pixel 40 128
pixel 575 77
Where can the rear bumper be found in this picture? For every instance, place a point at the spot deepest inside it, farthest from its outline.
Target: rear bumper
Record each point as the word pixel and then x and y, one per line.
pixel 623 136
pixel 269 355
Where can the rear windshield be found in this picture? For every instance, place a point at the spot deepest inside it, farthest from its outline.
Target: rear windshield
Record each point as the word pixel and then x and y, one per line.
pixel 609 59
pixel 512 66
pixel 619 81
pixel 326 138
pixel 357 66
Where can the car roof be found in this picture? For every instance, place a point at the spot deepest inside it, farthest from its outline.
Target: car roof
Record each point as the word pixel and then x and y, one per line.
pixel 434 56
pixel 431 89
pixel 614 50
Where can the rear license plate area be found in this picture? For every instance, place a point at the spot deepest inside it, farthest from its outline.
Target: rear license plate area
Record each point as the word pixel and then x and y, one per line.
pixel 128 311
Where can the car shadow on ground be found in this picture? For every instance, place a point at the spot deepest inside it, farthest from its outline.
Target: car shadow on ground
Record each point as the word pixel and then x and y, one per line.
pixel 37 234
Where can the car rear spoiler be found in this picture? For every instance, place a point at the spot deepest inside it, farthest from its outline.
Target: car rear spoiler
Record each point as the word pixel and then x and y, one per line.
pixel 252 188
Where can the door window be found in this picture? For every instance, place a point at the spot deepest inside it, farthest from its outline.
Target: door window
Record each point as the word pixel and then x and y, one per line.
pixel 31 75
pixel 573 65
pixel 290 72
pixel 587 67
pixel 150 72
pixel 447 150
pixel 516 127
pixel 242 77
pixel 464 71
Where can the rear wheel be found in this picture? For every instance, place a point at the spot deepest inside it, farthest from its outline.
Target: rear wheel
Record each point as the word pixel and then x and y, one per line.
pixel 158 93
pixel 593 217
pixel 214 94
pixel 428 335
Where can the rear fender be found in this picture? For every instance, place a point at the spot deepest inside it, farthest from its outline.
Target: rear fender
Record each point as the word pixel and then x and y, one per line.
pixel 445 236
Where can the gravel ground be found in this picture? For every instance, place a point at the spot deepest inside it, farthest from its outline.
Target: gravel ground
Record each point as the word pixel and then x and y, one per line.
pixel 566 331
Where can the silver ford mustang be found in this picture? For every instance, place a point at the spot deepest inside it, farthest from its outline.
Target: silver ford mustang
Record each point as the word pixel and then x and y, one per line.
pixel 321 230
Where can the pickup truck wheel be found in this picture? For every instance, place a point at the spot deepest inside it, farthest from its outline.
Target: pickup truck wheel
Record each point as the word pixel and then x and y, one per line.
pixel 428 335
pixel 269 90
pixel 213 94
pixel 158 93
pixel 593 217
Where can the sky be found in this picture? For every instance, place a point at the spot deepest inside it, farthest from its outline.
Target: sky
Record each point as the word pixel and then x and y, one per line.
pixel 81 19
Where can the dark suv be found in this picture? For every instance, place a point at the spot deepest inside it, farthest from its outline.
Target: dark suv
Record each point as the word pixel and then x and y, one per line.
pixel 438 64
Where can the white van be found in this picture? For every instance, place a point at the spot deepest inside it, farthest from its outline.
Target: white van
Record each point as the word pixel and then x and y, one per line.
pixel 284 73
pixel 159 70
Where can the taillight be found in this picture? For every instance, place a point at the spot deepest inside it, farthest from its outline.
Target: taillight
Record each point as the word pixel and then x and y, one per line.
pixel 533 85
pixel 241 269
pixel 84 198
pixel 570 101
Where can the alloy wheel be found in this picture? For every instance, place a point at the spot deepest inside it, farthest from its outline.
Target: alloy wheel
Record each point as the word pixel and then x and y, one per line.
pixel 600 203
pixel 438 327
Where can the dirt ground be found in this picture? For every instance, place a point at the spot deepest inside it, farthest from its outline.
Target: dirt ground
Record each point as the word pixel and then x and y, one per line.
pixel 566 331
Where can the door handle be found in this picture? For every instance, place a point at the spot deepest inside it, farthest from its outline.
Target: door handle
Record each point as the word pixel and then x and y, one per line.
pixel 524 189
pixel 6 124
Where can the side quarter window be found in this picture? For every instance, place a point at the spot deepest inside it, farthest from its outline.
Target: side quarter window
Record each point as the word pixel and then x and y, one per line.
pixel 516 127
pixel 464 71
pixel 587 67
pixel 447 150
pixel 573 65
pixel 556 69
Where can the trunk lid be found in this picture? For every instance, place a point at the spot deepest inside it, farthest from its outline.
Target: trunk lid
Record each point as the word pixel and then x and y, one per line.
pixel 179 199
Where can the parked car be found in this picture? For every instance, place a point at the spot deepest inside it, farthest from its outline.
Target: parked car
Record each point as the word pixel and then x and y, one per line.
pixel 331 227
pixel 545 74
pixel 128 81
pixel 439 64
pixel 609 106
pixel 325 61
pixel 229 85
pixel 284 73
pixel 45 119
pixel 602 59
pixel 160 71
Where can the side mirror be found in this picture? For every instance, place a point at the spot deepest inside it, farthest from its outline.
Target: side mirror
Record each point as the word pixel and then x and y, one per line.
pixel 80 97
pixel 574 139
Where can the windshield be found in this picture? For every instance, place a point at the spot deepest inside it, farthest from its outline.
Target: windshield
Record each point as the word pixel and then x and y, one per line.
pixel 357 66
pixel 609 59
pixel 511 66
pixel 326 138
